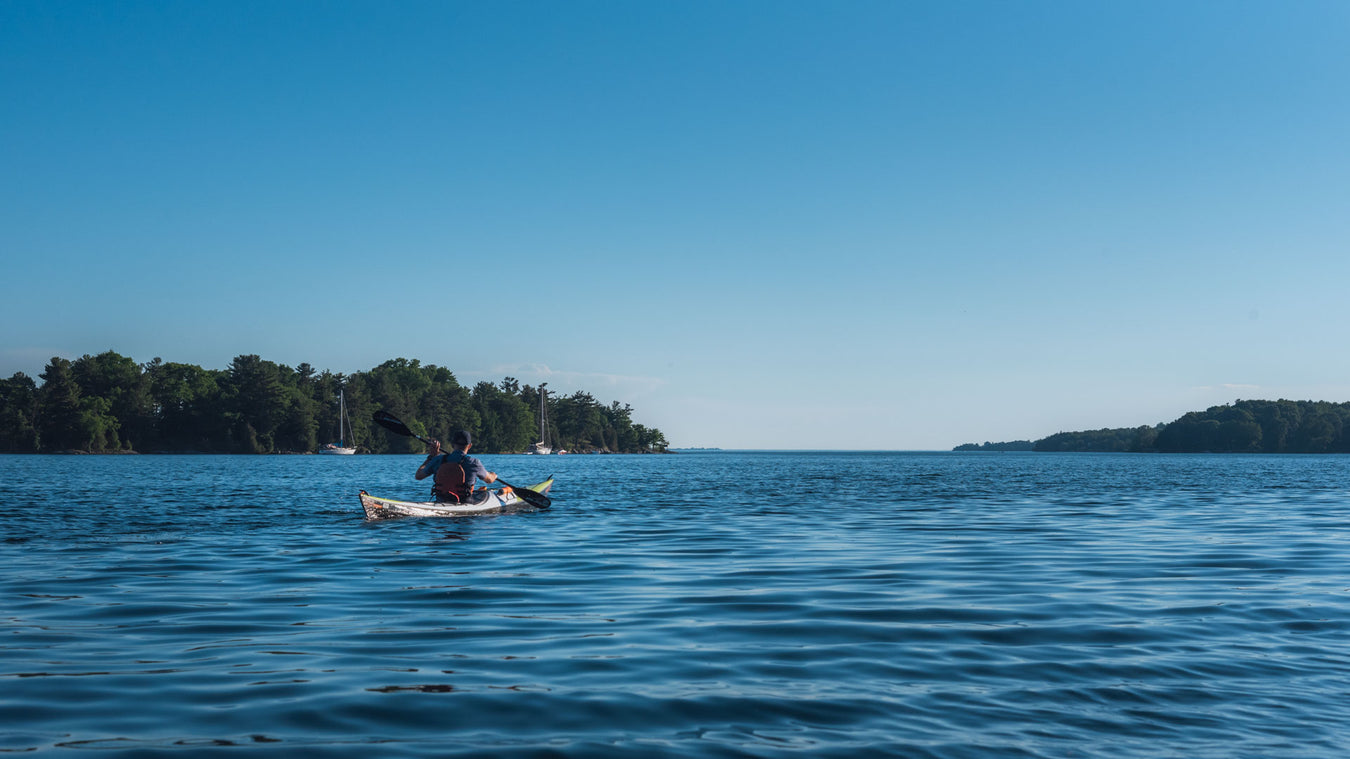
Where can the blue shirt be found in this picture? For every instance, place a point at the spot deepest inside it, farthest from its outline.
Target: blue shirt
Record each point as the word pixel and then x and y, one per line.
pixel 473 468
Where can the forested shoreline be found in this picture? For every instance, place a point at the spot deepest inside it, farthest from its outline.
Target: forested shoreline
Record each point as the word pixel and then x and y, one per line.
pixel 109 403
pixel 1281 426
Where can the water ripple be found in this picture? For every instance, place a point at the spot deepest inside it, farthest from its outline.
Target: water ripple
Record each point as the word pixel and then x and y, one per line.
pixel 778 604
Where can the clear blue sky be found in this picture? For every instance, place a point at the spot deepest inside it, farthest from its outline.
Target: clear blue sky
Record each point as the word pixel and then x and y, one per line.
pixel 891 225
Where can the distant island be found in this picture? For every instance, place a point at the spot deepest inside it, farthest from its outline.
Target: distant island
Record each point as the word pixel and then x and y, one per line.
pixel 1281 426
pixel 1012 445
pixel 110 404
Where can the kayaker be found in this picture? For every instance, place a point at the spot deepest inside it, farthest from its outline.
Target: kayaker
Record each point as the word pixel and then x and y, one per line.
pixel 449 485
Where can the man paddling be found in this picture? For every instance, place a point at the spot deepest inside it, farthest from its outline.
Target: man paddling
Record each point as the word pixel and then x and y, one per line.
pixel 455 472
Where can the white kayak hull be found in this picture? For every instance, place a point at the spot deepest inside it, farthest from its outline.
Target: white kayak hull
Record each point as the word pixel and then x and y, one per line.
pixel 495 503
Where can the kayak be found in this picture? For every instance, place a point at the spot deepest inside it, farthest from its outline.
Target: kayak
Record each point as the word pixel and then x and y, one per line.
pixel 491 502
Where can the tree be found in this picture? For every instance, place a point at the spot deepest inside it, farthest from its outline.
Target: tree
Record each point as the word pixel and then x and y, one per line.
pixel 446 406
pixel 18 410
pixel 620 422
pixel 1317 433
pixel 255 399
pixel 506 424
pixel 578 421
pixel 60 422
pixel 185 403
pixel 650 439
pixel 118 380
pixel 100 425
pixel 298 428
pixel 365 434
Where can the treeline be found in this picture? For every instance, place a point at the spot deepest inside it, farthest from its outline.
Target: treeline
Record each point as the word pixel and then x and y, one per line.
pixel 1120 440
pixel 1011 445
pixel 109 403
pixel 1242 427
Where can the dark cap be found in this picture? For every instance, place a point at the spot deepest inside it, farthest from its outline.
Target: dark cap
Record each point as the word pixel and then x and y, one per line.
pixel 462 438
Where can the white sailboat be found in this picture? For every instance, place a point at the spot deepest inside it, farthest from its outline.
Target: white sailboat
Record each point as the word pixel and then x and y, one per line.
pixel 341 449
pixel 542 447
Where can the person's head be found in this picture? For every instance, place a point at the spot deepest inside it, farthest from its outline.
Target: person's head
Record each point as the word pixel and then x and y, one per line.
pixel 462 440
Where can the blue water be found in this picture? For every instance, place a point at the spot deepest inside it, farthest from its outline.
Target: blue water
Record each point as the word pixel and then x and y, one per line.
pixel 710 604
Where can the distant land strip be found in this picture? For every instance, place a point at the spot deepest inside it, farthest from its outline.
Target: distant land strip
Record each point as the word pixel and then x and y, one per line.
pixel 1241 427
pixel 110 404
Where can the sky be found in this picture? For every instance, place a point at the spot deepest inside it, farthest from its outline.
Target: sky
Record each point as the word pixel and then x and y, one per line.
pixel 764 224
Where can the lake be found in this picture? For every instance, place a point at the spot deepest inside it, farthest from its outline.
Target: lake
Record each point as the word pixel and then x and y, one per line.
pixel 720 604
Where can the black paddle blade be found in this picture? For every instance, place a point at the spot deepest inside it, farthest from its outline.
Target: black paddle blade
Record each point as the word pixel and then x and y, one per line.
pixel 391 423
pixel 537 500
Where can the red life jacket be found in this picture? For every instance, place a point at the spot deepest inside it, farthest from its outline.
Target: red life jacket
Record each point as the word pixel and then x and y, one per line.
pixel 451 484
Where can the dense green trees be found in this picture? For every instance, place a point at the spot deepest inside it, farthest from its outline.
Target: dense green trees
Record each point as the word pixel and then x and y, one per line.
pixel 109 403
pixel 1262 427
pixel 1243 427
pixel 18 410
pixel 1123 440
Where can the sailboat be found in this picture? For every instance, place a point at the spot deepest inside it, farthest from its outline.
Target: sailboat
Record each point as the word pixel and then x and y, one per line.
pixel 341 449
pixel 542 447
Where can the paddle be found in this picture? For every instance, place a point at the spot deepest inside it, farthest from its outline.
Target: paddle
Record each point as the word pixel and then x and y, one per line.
pixel 392 423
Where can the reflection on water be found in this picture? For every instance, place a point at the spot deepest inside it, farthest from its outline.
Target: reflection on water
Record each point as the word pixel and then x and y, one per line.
pixel 723 604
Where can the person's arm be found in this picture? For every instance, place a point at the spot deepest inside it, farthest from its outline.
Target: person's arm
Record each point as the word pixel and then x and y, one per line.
pixel 482 473
pixel 426 469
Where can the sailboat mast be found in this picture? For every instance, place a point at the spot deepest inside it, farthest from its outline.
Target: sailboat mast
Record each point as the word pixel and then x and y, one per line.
pixel 344 427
